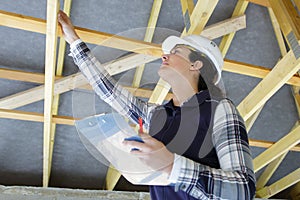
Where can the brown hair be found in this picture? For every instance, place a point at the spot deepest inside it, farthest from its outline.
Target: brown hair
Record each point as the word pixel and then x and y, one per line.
pixel 208 75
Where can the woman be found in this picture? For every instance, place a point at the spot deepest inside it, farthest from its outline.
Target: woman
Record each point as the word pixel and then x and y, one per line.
pixel 197 138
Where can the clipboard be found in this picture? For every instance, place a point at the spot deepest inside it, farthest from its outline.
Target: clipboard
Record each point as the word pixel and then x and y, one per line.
pixel 103 135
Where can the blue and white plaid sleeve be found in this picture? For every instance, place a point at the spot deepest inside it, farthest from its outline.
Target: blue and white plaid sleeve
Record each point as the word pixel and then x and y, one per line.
pixel 107 88
pixel 235 179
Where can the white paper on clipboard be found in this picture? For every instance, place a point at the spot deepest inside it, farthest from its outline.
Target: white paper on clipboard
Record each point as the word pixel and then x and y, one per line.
pixel 104 133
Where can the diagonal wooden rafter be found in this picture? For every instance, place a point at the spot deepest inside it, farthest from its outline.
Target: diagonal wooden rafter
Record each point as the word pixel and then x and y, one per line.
pixel 283 51
pixel 272 167
pixel 297 3
pixel 289 22
pixel 68 83
pixel 279 75
pixel 250 121
pixel 224 27
pixel 199 17
pixel 277 31
pixel 269 171
pixel 279 148
pixel 51 44
pixel 295 191
pixel 285 68
pixel 279 185
pixel 187 7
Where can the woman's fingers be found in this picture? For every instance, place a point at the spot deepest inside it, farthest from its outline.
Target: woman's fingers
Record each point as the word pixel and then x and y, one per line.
pixel 67 27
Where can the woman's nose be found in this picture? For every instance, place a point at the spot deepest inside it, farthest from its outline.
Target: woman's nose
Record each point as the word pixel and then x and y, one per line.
pixel 164 57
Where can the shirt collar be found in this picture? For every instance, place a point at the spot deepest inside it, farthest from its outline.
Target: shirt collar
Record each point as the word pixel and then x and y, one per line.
pixel 194 100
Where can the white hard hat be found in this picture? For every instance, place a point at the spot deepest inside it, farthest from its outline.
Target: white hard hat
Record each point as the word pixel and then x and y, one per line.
pixel 200 43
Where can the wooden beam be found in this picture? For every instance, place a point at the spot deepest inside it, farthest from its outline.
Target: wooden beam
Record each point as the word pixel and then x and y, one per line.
pixel 282 72
pixel 62 42
pixel 77 80
pixel 254 71
pixel 240 9
pixel 90 36
pixel 279 185
pixel 269 171
pixel 280 147
pixel 225 27
pixel 70 82
pixel 187 7
pixel 18 75
pixel 279 37
pixel 115 67
pixel 40 78
pixel 280 41
pixel 35 117
pixel 160 92
pixel 66 120
pixel 296 95
pixel 249 123
pixel 295 191
pixel 50 59
pixel 264 3
pixel 94 37
pixel 289 22
pixel 27 23
pixel 277 31
pixel 268 144
pixel 271 168
pixel 58 72
pixel 297 4
pixel 229 66
pixel 112 178
pixel 201 14
pixel 148 38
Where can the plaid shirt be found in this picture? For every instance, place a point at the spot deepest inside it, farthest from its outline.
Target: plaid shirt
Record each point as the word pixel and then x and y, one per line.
pixel 234 180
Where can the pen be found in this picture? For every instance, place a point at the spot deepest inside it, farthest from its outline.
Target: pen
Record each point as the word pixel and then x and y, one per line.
pixel 141 125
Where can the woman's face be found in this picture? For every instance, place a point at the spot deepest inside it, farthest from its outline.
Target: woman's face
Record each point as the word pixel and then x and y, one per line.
pixel 175 63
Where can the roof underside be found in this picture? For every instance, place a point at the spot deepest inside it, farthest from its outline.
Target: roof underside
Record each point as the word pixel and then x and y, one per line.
pixel 259 40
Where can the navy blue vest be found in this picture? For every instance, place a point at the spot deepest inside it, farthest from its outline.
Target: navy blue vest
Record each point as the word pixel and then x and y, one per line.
pixel 184 130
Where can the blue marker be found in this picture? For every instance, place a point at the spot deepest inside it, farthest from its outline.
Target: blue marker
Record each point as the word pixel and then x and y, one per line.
pixel 134 138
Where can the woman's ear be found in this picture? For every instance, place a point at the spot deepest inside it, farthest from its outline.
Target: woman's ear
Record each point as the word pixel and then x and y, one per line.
pixel 197 65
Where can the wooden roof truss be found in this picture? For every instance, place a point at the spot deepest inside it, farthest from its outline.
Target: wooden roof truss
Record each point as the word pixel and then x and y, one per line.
pixel 285 20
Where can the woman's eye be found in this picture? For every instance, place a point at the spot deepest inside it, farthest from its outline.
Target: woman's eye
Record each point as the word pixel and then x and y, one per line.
pixel 175 51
